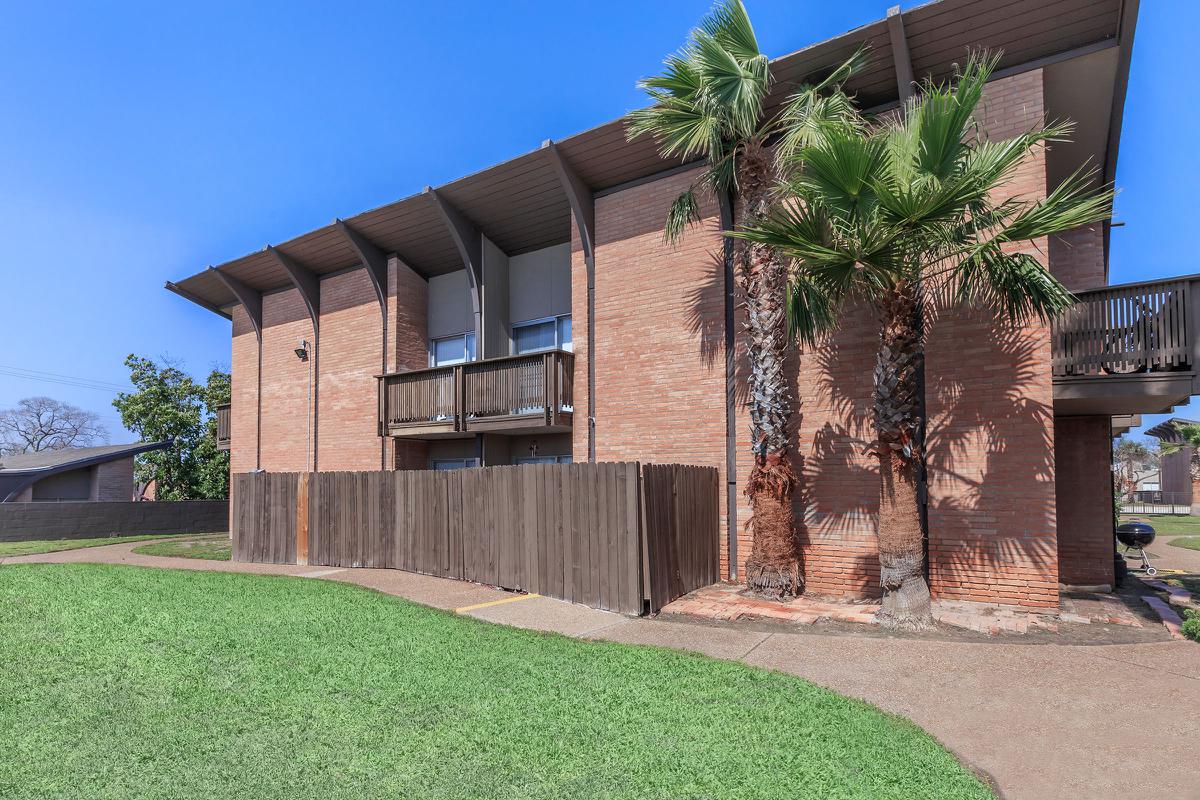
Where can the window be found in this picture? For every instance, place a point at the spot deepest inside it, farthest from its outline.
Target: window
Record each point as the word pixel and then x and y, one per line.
pixel 453 463
pixel 538 335
pixel 452 350
pixel 545 460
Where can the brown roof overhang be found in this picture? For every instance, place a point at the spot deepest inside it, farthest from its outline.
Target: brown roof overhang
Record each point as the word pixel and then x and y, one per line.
pixel 521 206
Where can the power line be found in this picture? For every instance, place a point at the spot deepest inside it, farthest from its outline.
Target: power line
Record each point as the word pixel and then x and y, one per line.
pixel 65 380
pixel 66 377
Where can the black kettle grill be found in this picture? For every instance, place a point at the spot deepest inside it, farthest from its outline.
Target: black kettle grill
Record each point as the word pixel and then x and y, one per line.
pixel 1137 536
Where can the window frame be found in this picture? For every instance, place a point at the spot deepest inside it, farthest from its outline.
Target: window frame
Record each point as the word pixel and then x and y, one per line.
pixel 555 321
pixel 543 460
pixel 464 463
pixel 470 351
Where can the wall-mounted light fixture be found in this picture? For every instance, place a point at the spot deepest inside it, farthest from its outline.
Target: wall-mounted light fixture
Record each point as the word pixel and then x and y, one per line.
pixel 302 351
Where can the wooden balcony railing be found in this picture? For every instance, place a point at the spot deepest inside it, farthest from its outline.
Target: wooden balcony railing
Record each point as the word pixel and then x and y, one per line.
pixel 1133 328
pixel 515 392
pixel 223 428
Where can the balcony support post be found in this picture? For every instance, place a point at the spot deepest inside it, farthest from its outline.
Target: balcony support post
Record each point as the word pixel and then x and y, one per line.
pixel 375 262
pixel 469 242
pixel 251 300
pixel 381 389
pixel 583 211
pixel 1192 299
pixel 308 285
pixel 900 55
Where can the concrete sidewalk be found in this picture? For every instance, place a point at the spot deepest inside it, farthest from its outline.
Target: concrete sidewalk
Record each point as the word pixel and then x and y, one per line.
pixel 1043 720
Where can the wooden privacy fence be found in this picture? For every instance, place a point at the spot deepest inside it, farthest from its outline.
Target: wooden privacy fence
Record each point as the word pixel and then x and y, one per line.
pixel 622 537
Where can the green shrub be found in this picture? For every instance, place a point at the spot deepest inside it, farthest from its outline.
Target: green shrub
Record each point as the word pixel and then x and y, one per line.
pixel 1191 624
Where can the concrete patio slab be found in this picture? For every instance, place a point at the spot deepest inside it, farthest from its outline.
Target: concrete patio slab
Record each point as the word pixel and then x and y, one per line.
pixel 717 641
pixel 547 614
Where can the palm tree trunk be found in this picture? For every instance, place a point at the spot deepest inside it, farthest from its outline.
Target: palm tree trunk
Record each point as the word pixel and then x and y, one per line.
pixel 897 424
pixel 773 568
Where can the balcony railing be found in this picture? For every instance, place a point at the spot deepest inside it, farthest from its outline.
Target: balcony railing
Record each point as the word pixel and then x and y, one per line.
pixel 500 394
pixel 1123 330
pixel 223 429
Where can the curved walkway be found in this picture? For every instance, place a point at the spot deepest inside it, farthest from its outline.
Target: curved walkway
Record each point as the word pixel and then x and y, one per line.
pixel 1044 721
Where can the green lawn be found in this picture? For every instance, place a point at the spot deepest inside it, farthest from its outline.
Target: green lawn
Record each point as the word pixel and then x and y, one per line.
pixel 1167 524
pixel 55 545
pixel 124 682
pixel 215 547
pixel 1190 542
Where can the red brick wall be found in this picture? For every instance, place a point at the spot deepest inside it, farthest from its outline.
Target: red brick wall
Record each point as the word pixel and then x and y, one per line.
pixel 285 378
pixel 1082 452
pixel 838 498
pixel 1077 257
pixel 660 368
pixel 408 315
pixel 991 425
pixel 351 357
pixel 243 419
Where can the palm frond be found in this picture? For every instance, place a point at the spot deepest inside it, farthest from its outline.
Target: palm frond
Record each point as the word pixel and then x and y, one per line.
pixel 796 231
pixel 684 212
pixel 842 170
pixel 812 110
pixel 942 116
pixel 680 81
pixel 735 87
pixel 1015 285
pixel 729 24
pixel 812 308
pixel 681 130
pixel 1073 203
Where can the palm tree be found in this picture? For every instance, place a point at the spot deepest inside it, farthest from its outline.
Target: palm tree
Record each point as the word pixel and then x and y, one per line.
pixel 1130 457
pixel 708 104
pixel 903 211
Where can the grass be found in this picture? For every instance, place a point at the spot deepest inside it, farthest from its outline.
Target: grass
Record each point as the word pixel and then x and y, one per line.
pixel 127 682
pixel 1189 582
pixel 57 545
pixel 1190 542
pixel 1167 524
pixel 215 547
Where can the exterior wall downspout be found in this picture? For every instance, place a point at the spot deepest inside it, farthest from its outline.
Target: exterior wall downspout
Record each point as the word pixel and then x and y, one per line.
pixel 731 472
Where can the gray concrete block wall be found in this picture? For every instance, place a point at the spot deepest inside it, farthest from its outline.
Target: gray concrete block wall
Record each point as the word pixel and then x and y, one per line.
pixel 20 522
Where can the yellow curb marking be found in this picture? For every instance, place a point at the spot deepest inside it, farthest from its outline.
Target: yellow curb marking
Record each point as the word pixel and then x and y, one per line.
pixel 489 604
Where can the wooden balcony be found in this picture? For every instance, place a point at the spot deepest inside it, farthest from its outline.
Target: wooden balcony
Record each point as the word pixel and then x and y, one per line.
pixel 1128 349
pixel 223 437
pixel 516 394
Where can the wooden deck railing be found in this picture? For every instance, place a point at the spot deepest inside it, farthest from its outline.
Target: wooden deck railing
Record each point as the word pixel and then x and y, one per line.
pixel 223 427
pixel 523 391
pixel 1139 327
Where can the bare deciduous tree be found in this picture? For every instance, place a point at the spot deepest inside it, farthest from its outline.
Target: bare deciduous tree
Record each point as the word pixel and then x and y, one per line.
pixel 43 423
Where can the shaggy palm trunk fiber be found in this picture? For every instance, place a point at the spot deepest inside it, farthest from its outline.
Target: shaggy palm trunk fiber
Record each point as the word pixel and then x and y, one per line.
pixel 897 422
pixel 773 568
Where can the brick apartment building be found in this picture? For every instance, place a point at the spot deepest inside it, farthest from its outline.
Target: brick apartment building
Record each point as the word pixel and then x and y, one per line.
pixel 533 312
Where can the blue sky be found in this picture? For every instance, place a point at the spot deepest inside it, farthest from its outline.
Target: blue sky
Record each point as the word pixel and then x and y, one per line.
pixel 144 141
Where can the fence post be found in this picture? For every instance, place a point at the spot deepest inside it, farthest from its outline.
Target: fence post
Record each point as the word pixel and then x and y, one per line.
pixel 644 536
pixel 302 519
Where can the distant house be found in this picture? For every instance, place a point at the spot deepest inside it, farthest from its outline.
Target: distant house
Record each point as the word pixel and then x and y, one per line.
pixel 1175 468
pixel 80 473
